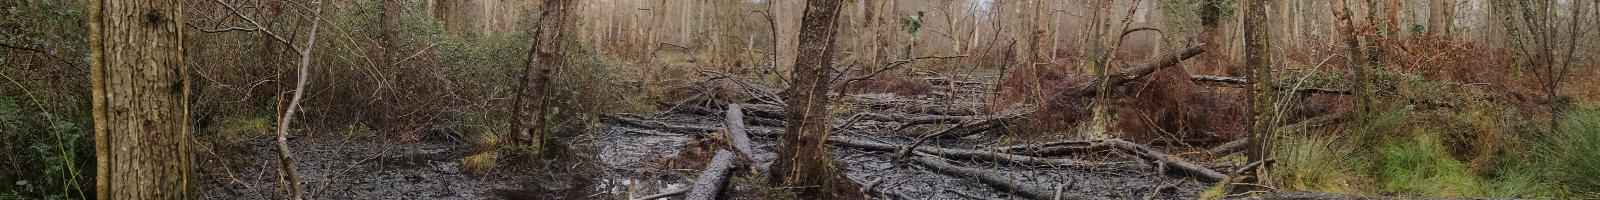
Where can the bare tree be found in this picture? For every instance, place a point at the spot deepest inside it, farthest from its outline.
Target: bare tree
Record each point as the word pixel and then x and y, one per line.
pixel 528 122
pixel 1540 20
pixel 140 94
pixel 802 160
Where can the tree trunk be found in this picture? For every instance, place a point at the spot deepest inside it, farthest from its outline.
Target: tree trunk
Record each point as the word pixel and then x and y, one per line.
pixel 543 59
pixel 802 160
pixel 140 95
pixel 1347 31
pixel 1440 17
pixel 390 23
pixel 1259 61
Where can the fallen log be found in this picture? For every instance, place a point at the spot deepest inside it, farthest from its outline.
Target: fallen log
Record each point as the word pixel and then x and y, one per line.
pixel 1050 149
pixel 1139 70
pixel 1002 181
pixel 642 122
pixel 968 128
pixel 663 194
pixel 1173 165
pixel 979 155
pixel 702 111
pixel 896 103
pixel 709 185
pixel 736 131
pixel 1237 82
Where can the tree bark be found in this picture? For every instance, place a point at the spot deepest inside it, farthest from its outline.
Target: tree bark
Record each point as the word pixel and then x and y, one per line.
pixel 709 185
pixel 1258 57
pixel 390 23
pixel 802 159
pixel 545 57
pixel 140 96
pixel 1440 17
pixel 736 131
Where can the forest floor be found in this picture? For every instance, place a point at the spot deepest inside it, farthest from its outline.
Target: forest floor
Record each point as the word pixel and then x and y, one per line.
pixel 625 161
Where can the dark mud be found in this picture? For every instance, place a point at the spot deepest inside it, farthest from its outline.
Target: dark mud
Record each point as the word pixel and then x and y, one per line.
pixel 336 168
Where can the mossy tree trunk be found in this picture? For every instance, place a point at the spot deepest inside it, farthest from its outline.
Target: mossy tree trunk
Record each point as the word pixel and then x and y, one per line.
pixel 803 160
pixel 1258 58
pixel 528 121
pixel 140 96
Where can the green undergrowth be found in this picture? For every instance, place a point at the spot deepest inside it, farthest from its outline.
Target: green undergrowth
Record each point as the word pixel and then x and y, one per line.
pixel 1443 144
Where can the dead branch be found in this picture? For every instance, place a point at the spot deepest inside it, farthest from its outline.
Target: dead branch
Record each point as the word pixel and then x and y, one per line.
pixel 1173 165
pixel 664 194
pixel 1237 82
pixel 645 123
pixel 971 127
pixel 709 185
pixel 999 180
pixel 892 102
pixel 286 159
pixel 736 131
pixel 1138 70
pixel 893 65
pixel 980 155
pixel 1059 148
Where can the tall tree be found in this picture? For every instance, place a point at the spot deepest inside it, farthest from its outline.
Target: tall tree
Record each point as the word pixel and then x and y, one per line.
pixel 803 161
pixel 545 57
pixel 140 95
pixel 1441 13
pixel 1258 58
pixel 1347 32
pixel 390 23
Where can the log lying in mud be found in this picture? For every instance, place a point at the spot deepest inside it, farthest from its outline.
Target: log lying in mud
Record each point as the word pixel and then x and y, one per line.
pixel 709 185
pixel 1002 181
pixel 736 131
pixel 1173 165
pixel 1238 82
pixel 979 154
pixel 907 120
pixel 1059 148
pixel 892 102
pixel 642 122
pixel 663 194
pixel 702 111
pixel 971 127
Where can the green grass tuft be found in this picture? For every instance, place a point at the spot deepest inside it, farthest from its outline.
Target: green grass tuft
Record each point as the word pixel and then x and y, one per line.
pixel 1573 155
pixel 1422 166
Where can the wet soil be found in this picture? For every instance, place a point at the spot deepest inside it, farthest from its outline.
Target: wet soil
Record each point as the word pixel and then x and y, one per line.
pixel 338 168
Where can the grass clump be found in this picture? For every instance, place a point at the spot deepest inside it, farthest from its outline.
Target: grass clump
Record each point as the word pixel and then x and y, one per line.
pixel 1422 166
pixel 1572 155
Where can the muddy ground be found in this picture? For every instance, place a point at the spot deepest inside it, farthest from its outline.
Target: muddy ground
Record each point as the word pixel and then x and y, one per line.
pixel 635 162
pixel 624 162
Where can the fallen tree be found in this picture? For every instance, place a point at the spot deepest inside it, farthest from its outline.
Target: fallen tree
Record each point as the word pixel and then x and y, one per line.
pixel 646 123
pixel 1239 82
pixel 736 131
pixel 709 185
pixel 1002 181
pixel 979 154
